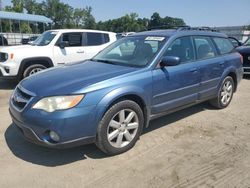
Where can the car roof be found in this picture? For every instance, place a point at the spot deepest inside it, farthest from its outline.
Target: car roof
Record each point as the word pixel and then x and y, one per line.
pixel 174 32
pixel 81 30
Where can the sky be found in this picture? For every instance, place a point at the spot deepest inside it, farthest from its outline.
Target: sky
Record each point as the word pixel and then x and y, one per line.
pixel 193 12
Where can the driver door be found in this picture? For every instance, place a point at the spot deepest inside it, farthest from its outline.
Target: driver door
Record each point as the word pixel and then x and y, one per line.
pixel 73 52
pixel 176 86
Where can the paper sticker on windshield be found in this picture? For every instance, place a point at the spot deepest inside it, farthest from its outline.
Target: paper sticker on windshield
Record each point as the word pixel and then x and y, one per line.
pixel 155 38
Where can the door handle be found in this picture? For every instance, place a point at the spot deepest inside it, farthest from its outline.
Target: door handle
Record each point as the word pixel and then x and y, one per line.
pixel 194 70
pixel 80 51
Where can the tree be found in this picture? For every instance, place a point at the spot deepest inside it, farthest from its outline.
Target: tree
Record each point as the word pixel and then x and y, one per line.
pixel 78 19
pixel 127 23
pixel 89 20
pixel 30 6
pixel 157 21
pixel 17 6
pixel 65 16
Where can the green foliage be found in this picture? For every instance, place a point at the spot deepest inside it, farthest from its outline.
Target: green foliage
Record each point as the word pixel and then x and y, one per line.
pixel 25 28
pixel 64 16
pixel 157 21
pixel 127 23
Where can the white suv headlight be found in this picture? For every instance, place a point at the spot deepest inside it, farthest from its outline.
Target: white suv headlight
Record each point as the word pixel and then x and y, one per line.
pixel 51 104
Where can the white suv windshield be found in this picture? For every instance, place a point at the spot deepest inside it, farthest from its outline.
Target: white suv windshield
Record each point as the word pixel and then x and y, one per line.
pixel 247 43
pixel 45 38
pixel 135 51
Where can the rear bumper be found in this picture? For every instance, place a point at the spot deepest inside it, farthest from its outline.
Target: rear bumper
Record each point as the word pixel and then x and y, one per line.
pixel 31 136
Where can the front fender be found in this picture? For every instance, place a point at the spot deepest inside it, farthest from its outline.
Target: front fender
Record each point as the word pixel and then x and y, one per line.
pixel 118 93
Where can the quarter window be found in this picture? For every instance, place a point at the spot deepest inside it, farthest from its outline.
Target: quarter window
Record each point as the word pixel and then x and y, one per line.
pixel 204 47
pixel 224 45
pixel 182 48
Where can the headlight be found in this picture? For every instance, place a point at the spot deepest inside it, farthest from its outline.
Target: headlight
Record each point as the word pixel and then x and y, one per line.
pixel 51 104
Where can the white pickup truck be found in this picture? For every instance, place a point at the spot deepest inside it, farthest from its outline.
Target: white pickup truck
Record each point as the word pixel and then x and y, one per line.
pixel 52 48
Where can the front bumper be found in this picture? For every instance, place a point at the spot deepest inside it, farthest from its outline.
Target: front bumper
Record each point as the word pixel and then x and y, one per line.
pixel 75 127
pixel 246 70
pixel 9 69
pixel 5 75
pixel 31 136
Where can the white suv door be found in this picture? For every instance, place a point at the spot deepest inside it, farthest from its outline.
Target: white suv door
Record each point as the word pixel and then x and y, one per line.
pixel 94 42
pixel 73 49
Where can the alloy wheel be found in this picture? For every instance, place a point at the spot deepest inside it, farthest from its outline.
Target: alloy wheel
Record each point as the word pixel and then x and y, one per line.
pixel 226 92
pixel 122 128
pixel 35 70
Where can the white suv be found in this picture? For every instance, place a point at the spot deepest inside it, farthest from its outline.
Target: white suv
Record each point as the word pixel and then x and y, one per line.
pixel 52 48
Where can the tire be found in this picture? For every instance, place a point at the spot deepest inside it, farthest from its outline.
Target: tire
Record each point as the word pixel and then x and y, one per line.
pixel 32 69
pixel 225 94
pixel 126 127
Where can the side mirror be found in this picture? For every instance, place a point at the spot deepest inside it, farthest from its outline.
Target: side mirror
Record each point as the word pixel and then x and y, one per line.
pixel 63 44
pixel 170 61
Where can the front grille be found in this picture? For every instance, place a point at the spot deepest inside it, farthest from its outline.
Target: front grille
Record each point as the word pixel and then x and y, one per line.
pixel 3 57
pixel 20 98
pixel 246 61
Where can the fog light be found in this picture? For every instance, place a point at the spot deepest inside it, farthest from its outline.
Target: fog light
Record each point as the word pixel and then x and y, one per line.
pixel 7 69
pixel 55 137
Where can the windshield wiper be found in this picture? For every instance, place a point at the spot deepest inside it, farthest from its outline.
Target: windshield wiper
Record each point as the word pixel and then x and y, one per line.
pixel 103 61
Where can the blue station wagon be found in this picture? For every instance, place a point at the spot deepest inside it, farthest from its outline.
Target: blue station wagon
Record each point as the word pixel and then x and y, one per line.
pixel 109 99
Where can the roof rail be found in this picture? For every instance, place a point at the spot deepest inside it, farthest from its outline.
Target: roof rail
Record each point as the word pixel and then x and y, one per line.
pixel 203 28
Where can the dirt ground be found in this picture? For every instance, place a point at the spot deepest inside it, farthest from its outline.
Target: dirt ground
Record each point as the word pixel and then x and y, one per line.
pixel 195 147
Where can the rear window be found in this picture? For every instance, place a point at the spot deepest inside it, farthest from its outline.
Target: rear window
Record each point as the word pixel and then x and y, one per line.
pixel 224 45
pixel 95 39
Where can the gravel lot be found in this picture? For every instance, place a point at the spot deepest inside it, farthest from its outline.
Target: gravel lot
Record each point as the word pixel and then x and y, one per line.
pixel 195 147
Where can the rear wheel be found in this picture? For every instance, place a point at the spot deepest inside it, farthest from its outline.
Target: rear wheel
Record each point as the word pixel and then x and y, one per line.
pixel 225 94
pixel 33 69
pixel 120 127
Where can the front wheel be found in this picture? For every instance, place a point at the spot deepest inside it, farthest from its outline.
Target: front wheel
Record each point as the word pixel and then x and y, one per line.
pixel 33 69
pixel 120 127
pixel 225 94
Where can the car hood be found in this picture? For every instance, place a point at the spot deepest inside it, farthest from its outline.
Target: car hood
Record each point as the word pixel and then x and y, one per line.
pixel 69 79
pixel 18 48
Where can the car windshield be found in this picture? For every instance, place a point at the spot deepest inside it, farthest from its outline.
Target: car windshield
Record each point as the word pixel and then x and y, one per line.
pixel 137 51
pixel 45 38
pixel 247 43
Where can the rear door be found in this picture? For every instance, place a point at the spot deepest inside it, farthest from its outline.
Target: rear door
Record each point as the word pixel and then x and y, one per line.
pixel 73 52
pixel 211 66
pixel 94 43
pixel 176 86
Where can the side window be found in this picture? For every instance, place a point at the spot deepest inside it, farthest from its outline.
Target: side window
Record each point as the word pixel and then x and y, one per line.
pixel 182 48
pixel 224 45
pixel 204 47
pixel 74 39
pixel 106 38
pixel 95 39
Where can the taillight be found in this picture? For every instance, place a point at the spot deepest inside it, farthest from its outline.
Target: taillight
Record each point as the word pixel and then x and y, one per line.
pixel 241 58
